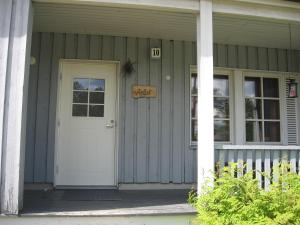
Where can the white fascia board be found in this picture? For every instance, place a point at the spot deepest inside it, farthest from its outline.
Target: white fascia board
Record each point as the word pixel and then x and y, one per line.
pixel 280 3
pixel 262 11
pixel 188 6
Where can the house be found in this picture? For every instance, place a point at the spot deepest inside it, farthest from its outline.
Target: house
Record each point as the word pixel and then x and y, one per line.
pixel 140 96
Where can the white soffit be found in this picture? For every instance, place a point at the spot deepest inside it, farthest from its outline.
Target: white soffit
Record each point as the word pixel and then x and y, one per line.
pixel 85 19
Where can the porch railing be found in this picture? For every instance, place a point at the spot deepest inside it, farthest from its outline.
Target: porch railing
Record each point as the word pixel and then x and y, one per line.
pixel 259 158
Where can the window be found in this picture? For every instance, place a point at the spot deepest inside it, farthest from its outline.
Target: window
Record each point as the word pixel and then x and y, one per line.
pixel 262 109
pixel 221 108
pixel 88 97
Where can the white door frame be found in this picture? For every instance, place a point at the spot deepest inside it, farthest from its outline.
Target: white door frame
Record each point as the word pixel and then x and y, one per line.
pixel 58 111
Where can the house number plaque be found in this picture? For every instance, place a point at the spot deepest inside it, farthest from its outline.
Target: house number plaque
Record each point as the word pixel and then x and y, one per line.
pixel 142 91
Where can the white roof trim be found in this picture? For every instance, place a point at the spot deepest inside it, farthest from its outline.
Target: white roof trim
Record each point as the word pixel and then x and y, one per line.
pixel 258 147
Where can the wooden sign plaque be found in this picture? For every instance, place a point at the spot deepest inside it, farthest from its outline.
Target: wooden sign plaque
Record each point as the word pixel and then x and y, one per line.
pixel 142 91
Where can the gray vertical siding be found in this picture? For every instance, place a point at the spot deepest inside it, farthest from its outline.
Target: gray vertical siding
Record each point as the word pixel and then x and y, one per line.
pixel 153 133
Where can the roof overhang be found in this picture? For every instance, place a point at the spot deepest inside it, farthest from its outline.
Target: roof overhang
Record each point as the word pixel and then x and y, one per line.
pixel 279 10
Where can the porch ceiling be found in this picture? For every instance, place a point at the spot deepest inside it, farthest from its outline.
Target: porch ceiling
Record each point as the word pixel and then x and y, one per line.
pixel 86 19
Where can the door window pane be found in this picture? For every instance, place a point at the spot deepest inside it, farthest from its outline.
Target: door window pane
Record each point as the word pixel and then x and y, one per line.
pixel 253 131
pixel 221 130
pixel 271 109
pixel 221 107
pixel 97 84
pixel 221 85
pixel 272 131
pixel 271 87
pixel 252 87
pixel 80 84
pixel 97 97
pixel 80 97
pixel 79 110
pixel 91 92
pixel 96 111
pixel 253 108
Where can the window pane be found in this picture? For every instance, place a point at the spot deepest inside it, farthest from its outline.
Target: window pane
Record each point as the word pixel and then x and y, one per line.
pixel 272 131
pixel 80 84
pixel 97 97
pixel 194 130
pixel 80 97
pixel 252 87
pixel 194 83
pixel 96 110
pixel 194 107
pixel 271 109
pixel 253 108
pixel 221 85
pixel 253 131
pixel 271 87
pixel 221 107
pixel 221 130
pixel 97 85
pixel 79 110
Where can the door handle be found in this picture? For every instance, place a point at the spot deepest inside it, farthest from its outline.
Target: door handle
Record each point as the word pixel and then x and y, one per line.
pixel 109 125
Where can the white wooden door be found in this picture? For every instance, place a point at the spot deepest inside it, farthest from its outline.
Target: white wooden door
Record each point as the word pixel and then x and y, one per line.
pixel 85 154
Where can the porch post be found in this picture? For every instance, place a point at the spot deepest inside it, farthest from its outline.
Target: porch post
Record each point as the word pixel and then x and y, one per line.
pixel 14 70
pixel 205 92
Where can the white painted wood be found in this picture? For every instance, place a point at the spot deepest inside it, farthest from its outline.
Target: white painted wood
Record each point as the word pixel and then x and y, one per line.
pixel 276 160
pixel 149 23
pixel 17 73
pixel 249 160
pixel 205 92
pixel 258 169
pixel 94 220
pixel 260 11
pixel 267 169
pixel 240 163
pixel 261 147
pixel 293 160
pixel 5 19
pixel 85 154
pixel 239 110
pixel 166 5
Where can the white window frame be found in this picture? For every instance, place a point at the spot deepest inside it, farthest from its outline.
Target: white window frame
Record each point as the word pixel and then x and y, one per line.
pixel 237 104
pixel 217 71
pixel 281 86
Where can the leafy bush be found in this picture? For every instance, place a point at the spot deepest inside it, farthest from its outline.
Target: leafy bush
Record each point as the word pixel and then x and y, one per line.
pixel 240 201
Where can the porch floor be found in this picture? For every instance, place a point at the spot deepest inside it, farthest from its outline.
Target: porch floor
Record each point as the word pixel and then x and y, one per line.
pixel 106 203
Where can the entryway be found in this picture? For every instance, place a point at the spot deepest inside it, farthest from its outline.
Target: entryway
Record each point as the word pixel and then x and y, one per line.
pixel 86 124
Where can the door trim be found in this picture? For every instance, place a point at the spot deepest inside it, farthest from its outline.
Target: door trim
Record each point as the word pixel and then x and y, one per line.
pixel 58 112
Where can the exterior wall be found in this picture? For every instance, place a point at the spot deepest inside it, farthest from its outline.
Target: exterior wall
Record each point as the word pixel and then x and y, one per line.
pixel 154 134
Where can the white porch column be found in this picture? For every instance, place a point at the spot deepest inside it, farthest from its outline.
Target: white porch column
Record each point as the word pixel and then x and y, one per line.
pixel 15 77
pixel 5 16
pixel 205 92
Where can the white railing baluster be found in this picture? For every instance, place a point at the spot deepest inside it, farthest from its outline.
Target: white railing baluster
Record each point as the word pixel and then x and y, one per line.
pixel 276 159
pixel 293 161
pixel 267 171
pixel 258 167
pixel 222 158
pixel 249 160
pixel 240 163
pixel 264 158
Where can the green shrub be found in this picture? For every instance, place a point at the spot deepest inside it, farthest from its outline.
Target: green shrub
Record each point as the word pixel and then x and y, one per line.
pixel 240 201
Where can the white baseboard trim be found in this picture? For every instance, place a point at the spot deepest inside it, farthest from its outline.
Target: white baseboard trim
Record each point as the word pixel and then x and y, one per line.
pixel 156 186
